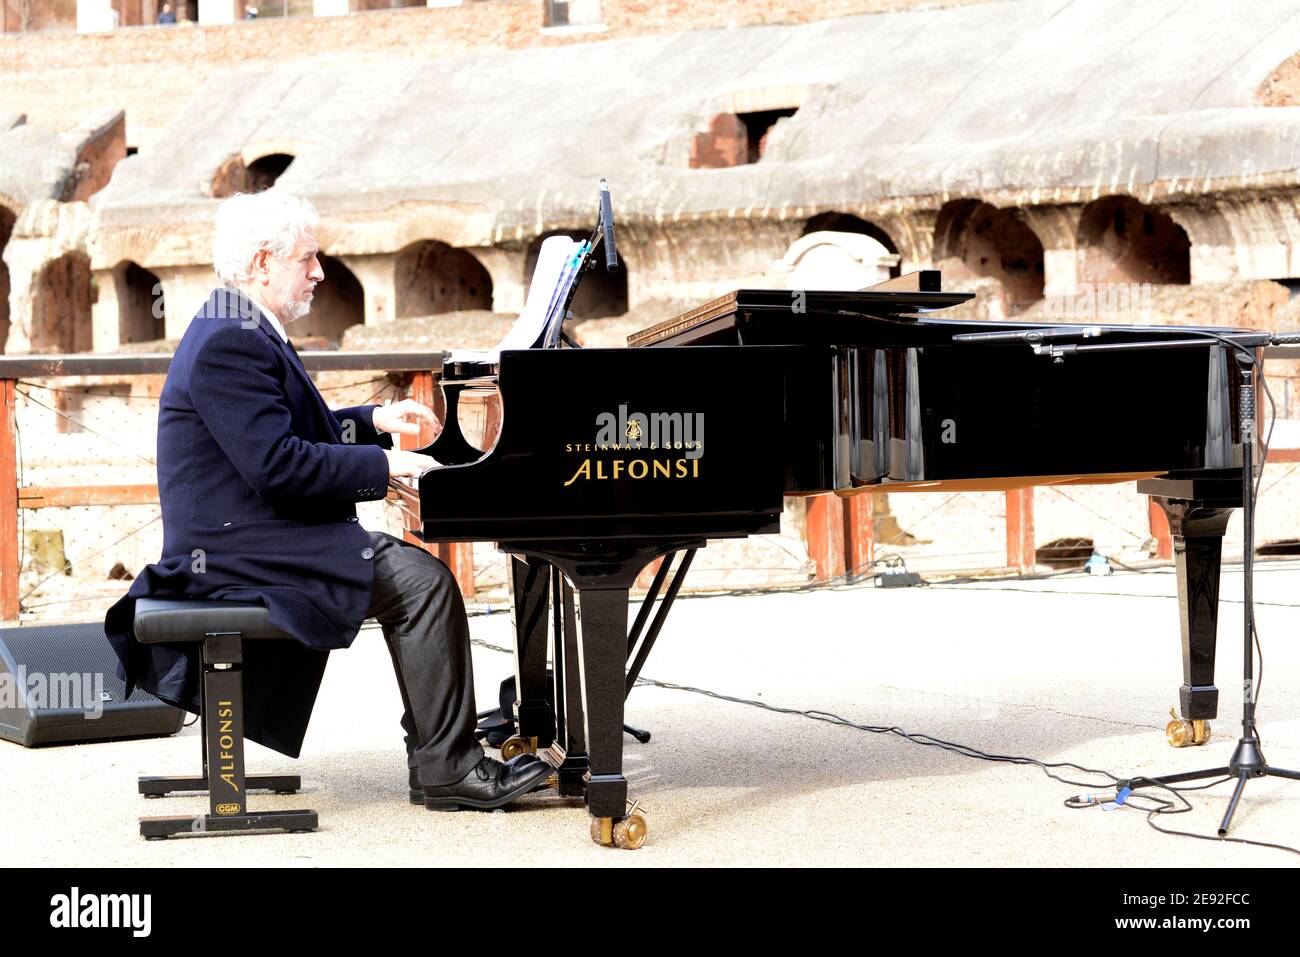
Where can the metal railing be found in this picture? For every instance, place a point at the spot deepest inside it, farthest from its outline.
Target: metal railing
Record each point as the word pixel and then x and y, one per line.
pixel 842 537
pixel 416 372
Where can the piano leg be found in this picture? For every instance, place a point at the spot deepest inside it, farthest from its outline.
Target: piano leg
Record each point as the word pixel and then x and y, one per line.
pixel 595 648
pixel 530 590
pixel 1197 532
pixel 602 653
pixel 569 753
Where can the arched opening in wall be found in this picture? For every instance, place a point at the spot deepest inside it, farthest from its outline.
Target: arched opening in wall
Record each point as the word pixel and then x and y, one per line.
pixel 263 172
pixel 139 304
pixel 601 294
pixel 1123 240
pixel 130 13
pixel 339 303
pixel 846 223
pixel 7 219
pixel 189 10
pixel 233 176
pixel 432 277
pixel 735 139
pixel 972 238
pixel 757 127
pixel 61 306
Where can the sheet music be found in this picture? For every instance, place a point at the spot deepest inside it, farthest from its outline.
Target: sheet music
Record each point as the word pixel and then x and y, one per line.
pixel 556 313
pixel 552 277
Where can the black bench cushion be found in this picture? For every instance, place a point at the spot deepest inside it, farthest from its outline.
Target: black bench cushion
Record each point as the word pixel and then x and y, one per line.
pixel 159 621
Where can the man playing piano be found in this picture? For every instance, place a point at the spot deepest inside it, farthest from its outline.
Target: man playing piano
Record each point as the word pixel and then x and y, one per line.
pixel 258 481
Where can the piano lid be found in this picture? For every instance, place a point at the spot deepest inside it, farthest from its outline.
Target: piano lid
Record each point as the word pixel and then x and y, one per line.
pixel 717 317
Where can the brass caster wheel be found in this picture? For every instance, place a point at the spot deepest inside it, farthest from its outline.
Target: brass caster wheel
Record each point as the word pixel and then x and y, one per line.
pixel 627 832
pixel 515 746
pixel 630 833
pixel 1186 733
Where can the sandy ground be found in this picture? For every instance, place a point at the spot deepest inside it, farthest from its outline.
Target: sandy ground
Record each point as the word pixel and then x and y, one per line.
pixel 1073 669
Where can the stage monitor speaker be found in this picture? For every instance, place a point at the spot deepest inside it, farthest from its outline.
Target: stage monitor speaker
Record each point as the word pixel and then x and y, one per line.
pixel 59 685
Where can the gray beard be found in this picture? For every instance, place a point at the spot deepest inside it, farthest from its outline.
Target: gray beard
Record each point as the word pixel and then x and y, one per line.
pixel 297 310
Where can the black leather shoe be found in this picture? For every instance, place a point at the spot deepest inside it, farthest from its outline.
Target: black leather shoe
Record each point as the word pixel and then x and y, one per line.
pixel 489 785
pixel 416 787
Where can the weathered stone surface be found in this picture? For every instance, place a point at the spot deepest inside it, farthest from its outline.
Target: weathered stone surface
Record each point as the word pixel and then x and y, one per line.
pixel 37 163
pixel 34 164
pixel 150 72
pixel 1012 102
pixel 612 333
pixel 472 329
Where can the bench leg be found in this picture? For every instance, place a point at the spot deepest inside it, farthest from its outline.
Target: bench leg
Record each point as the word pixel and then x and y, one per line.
pixel 157 786
pixel 224 780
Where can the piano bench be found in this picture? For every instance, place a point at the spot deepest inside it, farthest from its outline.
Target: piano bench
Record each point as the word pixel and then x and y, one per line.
pixel 222 627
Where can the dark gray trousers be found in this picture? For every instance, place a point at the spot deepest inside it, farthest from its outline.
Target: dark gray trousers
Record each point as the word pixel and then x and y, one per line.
pixel 417 603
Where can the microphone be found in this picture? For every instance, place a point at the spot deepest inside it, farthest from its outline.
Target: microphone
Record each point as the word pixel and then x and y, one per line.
pixel 607 228
pixel 1095 797
pixel 1032 336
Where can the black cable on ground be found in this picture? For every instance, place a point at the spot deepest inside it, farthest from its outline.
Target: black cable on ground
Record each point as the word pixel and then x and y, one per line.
pixel 925 740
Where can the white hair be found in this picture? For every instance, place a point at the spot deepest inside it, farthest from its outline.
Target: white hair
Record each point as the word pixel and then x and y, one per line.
pixel 250 222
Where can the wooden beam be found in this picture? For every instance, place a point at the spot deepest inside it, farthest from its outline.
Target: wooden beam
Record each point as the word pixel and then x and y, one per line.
pixel 645 578
pixel 824 531
pixel 423 388
pixel 1020 529
pixel 859 533
pixel 67 496
pixel 8 505
pixel 146 363
pixel 1159 524
pixel 457 556
pixel 492 424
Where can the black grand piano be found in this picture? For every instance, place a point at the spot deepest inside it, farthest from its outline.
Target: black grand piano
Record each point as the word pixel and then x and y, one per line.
pixel 608 459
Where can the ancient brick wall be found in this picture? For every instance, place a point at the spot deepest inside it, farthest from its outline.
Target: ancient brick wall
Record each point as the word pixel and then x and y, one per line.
pixel 32 15
pixel 95 162
pixel 149 71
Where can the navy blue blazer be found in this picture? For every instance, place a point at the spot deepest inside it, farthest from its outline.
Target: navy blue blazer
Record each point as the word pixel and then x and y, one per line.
pixel 258 481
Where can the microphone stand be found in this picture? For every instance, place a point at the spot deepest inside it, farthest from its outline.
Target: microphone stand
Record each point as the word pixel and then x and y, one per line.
pixel 1247 759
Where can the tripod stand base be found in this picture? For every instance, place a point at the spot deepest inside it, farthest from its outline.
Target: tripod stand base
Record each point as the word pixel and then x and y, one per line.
pixel 1247 762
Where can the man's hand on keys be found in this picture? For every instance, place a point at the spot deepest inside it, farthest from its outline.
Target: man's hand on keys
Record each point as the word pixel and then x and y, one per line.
pixel 404 418
pixel 402 463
